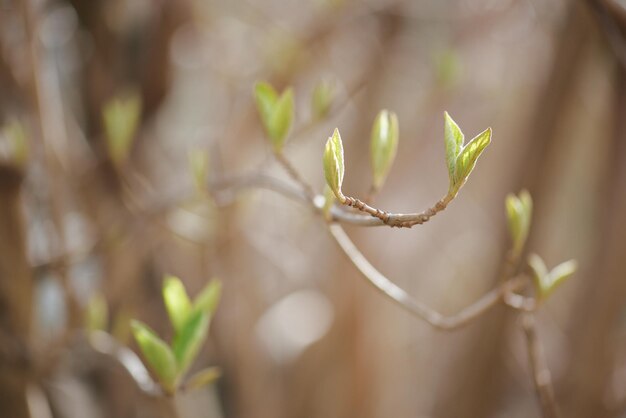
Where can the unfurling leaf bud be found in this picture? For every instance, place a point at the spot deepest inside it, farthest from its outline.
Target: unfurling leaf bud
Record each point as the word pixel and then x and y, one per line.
pixel 383 145
pixel 333 164
pixel 121 118
pixel 322 98
pixel 276 113
pixel 461 159
pixel 158 355
pixel 545 281
pixel 199 165
pixel 519 213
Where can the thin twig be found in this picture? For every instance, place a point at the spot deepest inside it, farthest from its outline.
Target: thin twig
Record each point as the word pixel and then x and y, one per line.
pixel 541 375
pixel 293 173
pixel 403 299
pixel 103 343
pixel 400 220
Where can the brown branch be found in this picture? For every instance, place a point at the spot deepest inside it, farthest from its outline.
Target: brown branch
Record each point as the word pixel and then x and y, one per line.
pixel 400 220
pixel 541 375
pixel 404 300
pixel 293 173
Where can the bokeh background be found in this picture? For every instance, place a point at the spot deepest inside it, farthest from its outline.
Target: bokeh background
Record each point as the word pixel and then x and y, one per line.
pixel 298 332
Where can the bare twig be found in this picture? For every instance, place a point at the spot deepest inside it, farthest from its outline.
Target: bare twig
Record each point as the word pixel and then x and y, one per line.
pixel 403 299
pixel 541 375
pixel 293 173
pixel 104 344
pixel 400 220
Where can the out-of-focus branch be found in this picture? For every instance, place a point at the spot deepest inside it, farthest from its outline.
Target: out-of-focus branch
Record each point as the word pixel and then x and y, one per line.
pixel 541 374
pixel 611 30
pixel 403 299
pixel 104 344
pixel 226 190
pixel 373 276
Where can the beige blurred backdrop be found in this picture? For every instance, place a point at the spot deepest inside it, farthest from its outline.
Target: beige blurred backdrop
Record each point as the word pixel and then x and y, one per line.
pixel 299 333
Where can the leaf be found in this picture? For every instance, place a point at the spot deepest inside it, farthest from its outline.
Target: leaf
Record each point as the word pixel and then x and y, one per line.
pixel 466 160
pixel 383 145
pixel 176 302
pixel 545 281
pixel 190 339
pixel 266 98
pixel 334 165
pixel 519 214
pixel 322 98
pixel 209 297
pixel 203 378
pixel 121 118
pixel 199 165
pixel 281 119
pixel 16 142
pixel 158 355
pixel 453 138
pixel 97 315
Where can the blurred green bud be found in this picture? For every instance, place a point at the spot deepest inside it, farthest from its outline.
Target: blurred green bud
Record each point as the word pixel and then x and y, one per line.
pixel 158 355
pixel 209 297
pixel 276 113
pixel 121 118
pixel 383 146
pixel 199 165
pixel 519 214
pixel 177 302
pixel 97 315
pixel 188 341
pixel 333 164
pixel 322 98
pixel 545 281
pixel 15 145
pixel 448 68
pixel 203 378
pixel 461 159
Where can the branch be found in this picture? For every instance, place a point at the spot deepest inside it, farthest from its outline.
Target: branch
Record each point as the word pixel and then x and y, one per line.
pixel 104 344
pixel 400 220
pixel 225 191
pixel 541 375
pixel 404 300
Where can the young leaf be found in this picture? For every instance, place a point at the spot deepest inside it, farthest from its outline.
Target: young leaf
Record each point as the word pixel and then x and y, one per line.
pixel 383 145
pixel 203 378
pixel 519 214
pixel 176 302
pixel 333 164
pixel 545 281
pixel 189 340
pixel 266 98
pixel 466 160
pixel 17 143
pixel 322 98
pixel 121 118
pixel 158 355
pixel 453 138
pixel 97 315
pixel 281 119
pixel 199 165
pixel 209 297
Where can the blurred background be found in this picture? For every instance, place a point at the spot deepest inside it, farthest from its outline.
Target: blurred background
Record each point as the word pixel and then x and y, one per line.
pixel 298 332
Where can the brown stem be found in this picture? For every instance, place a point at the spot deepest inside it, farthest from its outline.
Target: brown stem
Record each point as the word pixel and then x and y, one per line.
pixel 293 173
pixel 400 220
pixel 541 375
